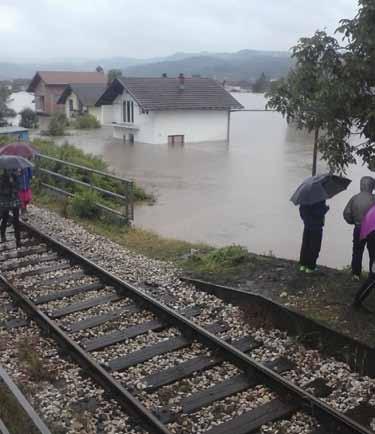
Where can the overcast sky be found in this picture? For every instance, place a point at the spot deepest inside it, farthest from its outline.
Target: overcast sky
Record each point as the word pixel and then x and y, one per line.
pixel 53 29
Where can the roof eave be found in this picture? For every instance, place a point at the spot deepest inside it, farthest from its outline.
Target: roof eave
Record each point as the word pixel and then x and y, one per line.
pixel 34 83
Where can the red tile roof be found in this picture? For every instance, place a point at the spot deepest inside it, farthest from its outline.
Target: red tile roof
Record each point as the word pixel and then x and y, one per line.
pixel 66 77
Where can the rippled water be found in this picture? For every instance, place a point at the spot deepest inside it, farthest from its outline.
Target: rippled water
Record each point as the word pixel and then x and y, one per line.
pixel 224 194
pixel 17 102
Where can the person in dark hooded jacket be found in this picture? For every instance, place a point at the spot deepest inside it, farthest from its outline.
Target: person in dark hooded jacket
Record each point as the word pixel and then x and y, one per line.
pixel 313 217
pixel 354 212
pixel 9 201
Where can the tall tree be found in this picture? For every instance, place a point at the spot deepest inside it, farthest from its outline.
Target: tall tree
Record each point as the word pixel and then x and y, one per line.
pixel 262 84
pixel 359 57
pixel 114 73
pixel 5 111
pixel 308 96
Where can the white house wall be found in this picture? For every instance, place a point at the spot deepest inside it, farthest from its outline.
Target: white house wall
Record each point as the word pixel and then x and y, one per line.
pixel 155 127
pixel 194 125
pixel 143 126
pixel 106 114
pixel 75 100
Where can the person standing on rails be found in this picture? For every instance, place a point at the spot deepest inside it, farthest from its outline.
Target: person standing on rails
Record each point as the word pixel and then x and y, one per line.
pixel 354 212
pixel 25 195
pixel 9 201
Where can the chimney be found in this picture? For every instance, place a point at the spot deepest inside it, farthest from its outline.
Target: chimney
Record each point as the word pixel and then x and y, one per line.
pixel 181 81
pixel 164 75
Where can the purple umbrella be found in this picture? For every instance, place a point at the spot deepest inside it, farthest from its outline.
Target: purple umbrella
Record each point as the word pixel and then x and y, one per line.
pixel 20 149
pixel 368 223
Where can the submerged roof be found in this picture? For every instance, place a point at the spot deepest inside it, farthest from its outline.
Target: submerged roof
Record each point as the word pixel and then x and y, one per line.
pixel 87 93
pixel 166 94
pixel 66 77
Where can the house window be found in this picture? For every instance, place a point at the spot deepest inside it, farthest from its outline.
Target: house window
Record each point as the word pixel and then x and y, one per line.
pixel 178 139
pixel 39 103
pixel 71 107
pixel 128 111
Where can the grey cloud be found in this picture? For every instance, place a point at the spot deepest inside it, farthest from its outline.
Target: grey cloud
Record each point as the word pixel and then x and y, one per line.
pixel 145 28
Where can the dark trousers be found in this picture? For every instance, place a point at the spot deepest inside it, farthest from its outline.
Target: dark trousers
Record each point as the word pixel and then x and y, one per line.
pixel 367 287
pixel 16 223
pixel 358 249
pixel 311 244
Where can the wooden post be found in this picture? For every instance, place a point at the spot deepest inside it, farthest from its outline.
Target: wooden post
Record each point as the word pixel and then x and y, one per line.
pixel 228 128
pixel 315 154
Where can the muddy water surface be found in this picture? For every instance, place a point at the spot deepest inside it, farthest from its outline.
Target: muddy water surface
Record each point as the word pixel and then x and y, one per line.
pixel 230 194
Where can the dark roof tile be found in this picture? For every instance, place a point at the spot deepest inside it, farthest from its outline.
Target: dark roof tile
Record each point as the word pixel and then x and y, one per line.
pixel 88 94
pixel 165 94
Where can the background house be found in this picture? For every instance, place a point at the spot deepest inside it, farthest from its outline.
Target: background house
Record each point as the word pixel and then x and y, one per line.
pixel 81 98
pixel 169 110
pixel 49 85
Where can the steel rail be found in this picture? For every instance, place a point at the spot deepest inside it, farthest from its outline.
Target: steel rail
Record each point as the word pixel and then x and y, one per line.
pixel 22 402
pixel 3 428
pixel 129 403
pixel 314 406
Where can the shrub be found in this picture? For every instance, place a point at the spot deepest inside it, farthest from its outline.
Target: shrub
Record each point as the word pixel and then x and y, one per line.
pixel 86 121
pixel 220 260
pixel 58 124
pixel 83 205
pixel 29 118
pixel 75 155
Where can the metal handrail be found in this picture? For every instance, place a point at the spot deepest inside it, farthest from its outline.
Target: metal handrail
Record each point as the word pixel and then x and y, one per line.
pixel 87 169
pixel 126 198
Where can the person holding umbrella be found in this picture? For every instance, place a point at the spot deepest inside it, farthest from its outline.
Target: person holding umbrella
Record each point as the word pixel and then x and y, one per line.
pixel 311 196
pixel 24 150
pixel 9 189
pixel 9 201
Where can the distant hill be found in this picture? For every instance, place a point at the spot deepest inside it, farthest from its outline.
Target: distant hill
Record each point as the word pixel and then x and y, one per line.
pixel 242 65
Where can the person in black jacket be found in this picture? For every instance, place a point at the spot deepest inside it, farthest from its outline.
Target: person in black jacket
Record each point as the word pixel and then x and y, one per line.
pixel 9 201
pixel 313 217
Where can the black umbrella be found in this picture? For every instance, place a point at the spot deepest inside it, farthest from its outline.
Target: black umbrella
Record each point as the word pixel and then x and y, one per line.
pixel 11 162
pixel 318 188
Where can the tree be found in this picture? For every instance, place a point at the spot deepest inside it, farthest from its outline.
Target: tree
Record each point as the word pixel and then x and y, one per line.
pixel 262 84
pixel 359 58
pixel 29 118
pixel 114 73
pixel 5 111
pixel 57 124
pixel 309 97
pixel 99 69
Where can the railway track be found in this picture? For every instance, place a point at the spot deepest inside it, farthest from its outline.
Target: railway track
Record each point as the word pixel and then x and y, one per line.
pixel 95 317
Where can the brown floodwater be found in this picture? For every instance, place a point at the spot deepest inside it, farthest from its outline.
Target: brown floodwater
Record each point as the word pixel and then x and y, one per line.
pixel 230 194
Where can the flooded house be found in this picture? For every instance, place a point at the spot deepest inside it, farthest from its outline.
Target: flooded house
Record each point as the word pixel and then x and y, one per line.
pixel 169 110
pixel 48 86
pixel 78 99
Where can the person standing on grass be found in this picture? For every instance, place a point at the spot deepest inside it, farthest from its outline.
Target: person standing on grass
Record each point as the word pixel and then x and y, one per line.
pixel 354 212
pixel 367 234
pixel 9 201
pixel 313 217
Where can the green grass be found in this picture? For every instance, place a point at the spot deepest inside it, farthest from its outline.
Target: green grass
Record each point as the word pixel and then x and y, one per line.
pixel 138 240
pixel 86 121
